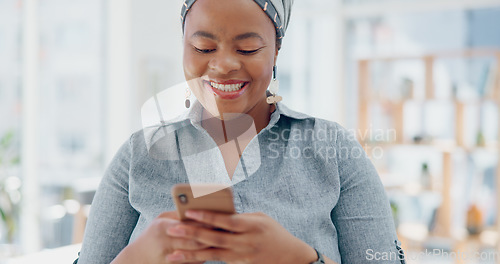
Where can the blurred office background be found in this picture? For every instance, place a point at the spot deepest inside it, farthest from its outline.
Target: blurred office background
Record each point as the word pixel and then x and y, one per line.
pixel 75 74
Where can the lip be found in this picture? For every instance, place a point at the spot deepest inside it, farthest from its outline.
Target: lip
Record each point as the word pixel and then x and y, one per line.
pixel 226 95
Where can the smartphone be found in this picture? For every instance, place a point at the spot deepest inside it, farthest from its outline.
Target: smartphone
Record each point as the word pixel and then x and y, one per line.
pixel 211 197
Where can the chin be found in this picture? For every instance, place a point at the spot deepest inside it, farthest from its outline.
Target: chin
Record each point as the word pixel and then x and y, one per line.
pixel 225 108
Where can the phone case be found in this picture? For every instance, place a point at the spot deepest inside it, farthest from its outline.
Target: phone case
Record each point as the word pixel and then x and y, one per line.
pixel 217 198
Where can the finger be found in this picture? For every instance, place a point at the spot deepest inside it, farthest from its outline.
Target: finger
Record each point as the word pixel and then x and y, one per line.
pixel 206 236
pixel 195 223
pixel 187 244
pixel 161 225
pixel 229 222
pixel 164 223
pixel 212 254
pixel 178 257
pixel 169 214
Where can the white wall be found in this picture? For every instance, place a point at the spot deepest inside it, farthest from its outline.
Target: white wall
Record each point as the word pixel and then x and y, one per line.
pixel 156 50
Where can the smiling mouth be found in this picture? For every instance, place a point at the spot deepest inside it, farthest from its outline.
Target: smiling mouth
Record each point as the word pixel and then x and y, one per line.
pixel 228 87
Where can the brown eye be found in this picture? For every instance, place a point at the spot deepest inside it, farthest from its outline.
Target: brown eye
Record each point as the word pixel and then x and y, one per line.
pixel 248 52
pixel 204 51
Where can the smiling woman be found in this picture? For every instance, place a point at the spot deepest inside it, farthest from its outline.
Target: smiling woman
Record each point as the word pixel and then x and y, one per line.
pixel 231 56
pixel 288 209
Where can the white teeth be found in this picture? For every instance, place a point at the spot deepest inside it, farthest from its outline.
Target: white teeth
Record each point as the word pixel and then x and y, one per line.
pixel 227 87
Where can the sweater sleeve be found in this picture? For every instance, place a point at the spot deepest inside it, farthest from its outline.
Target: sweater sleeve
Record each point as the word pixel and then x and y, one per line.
pixel 112 219
pixel 362 216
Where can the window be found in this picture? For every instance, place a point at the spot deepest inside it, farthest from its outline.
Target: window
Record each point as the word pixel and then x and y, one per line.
pixel 10 114
pixel 67 62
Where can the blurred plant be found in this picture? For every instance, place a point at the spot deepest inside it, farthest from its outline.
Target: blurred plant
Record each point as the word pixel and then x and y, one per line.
pixel 10 185
pixel 395 212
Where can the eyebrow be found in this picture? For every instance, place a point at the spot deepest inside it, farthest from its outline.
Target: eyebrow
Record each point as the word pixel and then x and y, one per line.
pixel 204 34
pixel 243 36
pixel 247 36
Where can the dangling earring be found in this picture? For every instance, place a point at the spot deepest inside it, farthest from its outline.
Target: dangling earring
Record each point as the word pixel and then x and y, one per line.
pixel 187 103
pixel 274 87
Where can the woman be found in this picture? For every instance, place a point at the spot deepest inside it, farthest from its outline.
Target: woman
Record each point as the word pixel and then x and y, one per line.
pixel 325 205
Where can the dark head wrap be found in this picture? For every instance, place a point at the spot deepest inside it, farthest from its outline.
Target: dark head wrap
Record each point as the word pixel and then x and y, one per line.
pixel 277 10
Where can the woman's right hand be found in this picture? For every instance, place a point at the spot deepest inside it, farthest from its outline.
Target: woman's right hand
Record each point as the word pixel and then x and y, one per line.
pixel 154 244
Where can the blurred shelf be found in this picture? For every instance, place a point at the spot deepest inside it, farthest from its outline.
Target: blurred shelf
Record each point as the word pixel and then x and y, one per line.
pixel 397 182
pixel 469 101
pixel 467 53
pixel 441 145
pixel 394 112
pixel 416 237
pixel 374 9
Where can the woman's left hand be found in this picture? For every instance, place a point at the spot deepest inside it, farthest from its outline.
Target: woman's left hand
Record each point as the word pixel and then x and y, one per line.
pixel 251 238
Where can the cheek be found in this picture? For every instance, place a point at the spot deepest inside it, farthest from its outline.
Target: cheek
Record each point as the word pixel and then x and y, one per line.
pixel 261 71
pixel 194 66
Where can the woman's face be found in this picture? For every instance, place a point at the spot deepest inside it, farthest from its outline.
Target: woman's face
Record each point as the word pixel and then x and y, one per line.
pixel 229 53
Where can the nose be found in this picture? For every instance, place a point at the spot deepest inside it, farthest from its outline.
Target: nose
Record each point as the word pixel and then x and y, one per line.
pixel 224 62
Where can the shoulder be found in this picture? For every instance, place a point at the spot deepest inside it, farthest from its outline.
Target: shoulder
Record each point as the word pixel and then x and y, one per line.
pixel 157 132
pixel 322 129
pixel 135 146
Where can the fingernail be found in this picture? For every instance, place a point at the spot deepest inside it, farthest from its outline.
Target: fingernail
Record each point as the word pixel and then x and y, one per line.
pixel 175 257
pixel 174 231
pixel 194 215
pixel 172 221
